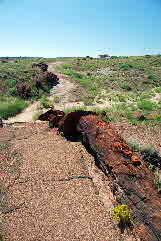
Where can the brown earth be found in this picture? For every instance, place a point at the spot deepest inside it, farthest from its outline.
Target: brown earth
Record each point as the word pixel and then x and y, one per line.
pixel 52 190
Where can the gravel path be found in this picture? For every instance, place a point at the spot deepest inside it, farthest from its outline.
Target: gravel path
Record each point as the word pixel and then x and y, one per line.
pixel 57 193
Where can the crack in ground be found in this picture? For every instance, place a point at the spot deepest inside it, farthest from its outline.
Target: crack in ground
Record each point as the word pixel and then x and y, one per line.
pixel 12 209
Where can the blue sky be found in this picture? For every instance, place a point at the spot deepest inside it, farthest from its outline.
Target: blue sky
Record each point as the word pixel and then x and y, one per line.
pixel 54 28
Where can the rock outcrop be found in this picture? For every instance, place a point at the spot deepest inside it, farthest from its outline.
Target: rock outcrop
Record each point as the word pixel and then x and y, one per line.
pixel 42 66
pixel 53 116
pixel 131 181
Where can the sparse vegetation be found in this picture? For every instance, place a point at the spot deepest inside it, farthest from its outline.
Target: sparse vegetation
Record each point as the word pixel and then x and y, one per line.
pixel 45 102
pixel 36 115
pixel 122 215
pixel 19 86
pixel 146 105
pixel 157 180
pixel 10 106
pixel 56 99
pixel 125 66
pixel 68 110
pixel 133 80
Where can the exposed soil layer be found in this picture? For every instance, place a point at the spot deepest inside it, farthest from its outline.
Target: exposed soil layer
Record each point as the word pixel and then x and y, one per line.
pixel 131 181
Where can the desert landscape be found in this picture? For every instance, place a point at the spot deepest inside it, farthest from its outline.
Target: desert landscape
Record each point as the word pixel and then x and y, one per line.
pixel 80 120
pixel 80 148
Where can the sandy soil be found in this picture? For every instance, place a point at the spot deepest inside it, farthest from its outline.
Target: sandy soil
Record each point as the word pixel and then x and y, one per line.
pixel 56 192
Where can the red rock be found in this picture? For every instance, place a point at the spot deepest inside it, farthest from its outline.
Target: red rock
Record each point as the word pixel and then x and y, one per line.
pixel 131 181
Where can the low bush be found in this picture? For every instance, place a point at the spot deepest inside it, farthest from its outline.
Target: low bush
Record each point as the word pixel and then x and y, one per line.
pixel 158 90
pixel 12 82
pixel 125 66
pixel 10 109
pixel 152 76
pixel 12 91
pixel 125 86
pixel 122 215
pixel 45 102
pixel 146 105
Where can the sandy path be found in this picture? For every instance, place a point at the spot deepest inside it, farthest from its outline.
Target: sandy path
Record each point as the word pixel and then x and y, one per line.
pixel 61 194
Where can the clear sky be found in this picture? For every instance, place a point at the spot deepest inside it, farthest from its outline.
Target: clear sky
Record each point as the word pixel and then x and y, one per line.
pixel 51 28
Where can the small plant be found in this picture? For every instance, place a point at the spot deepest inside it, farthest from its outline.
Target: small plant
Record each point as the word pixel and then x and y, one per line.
pixel 146 105
pixel 151 155
pixel 56 99
pixel 12 91
pixel 151 167
pixel 11 109
pixel 40 92
pixel 45 102
pixel 157 180
pixel 125 86
pixel 158 90
pixel 4 146
pixel 134 145
pixel 126 66
pixel 61 133
pixel 122 214
pixel 12 82
pixel 152 76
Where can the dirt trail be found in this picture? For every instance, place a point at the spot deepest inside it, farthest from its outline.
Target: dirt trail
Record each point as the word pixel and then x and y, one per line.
pixel 56 193
pixel 64 90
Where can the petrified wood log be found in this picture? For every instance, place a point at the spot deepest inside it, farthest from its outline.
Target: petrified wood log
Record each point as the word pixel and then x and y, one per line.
pixel 42 66
pixel 131 181
pixel 53 116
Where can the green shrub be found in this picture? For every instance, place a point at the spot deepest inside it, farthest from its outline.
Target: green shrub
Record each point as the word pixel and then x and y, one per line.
pixel 114 57
pixel 125 66
pixel 45 102
pixel 158 90
pixel 122 214
pixel 40 93
pixel 66 66
pixel 134 145
pixel 146 105
pixel 10 109
pixel 125 86
pixel 12 91
pixel 11 82
pixel 73 74
pixel 152 76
